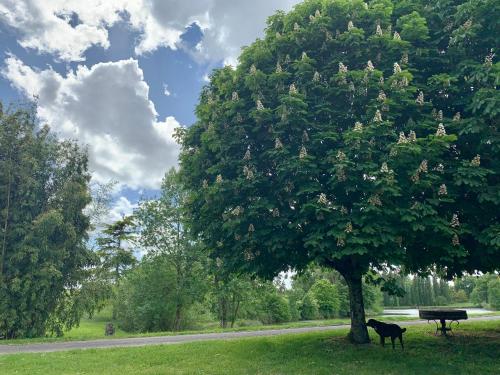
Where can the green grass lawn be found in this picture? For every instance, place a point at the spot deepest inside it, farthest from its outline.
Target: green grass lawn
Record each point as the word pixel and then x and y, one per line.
pixel 473 350
pixel 91 329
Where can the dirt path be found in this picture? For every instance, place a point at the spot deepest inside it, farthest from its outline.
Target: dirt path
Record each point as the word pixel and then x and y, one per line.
pixel 164 340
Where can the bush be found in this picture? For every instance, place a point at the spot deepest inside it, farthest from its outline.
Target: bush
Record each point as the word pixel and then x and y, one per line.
pixel 441 301
pixel 326 295
pixel 459 296
pixel 274 309
pixel 309 308
pixel 147 298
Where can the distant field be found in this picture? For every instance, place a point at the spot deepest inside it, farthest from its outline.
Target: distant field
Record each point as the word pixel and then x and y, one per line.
pixel 473 350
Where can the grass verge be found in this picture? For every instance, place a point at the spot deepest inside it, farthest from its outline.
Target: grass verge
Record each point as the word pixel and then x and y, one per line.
pixel 473 350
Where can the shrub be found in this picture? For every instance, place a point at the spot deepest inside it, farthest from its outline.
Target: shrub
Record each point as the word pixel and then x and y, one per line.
pixel 326 295
pixel 309 308
pixel 274 309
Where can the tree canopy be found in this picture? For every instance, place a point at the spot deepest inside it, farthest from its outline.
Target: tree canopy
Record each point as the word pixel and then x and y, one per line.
pixel 355 135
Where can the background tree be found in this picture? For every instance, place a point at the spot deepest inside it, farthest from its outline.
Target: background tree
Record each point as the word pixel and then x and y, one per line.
pixel 162 231
pixel 43 192
pixel 350 136
pixel 114 247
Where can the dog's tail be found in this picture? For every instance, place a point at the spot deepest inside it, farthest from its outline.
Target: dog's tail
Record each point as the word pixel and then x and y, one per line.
pixel 403 330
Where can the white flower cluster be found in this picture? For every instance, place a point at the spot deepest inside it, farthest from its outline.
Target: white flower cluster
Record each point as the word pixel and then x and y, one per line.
pixel 276 212
pixel 384 168
pixel 423 167
pixel 340 242
pixel 420 98
pixel 488 60
pixel 251 228
pixel 278 35
pixel 350 25
pixel 341 156
pixel 279 69
pixel 342 68
pixel 381 96
pixel 455 223
pixel 439 115
pixel 358 127
pixel 455 241
pixel 443 190
pixel 302 153
pixel 396 36
pixel 378 31
pixel 374 200
pixel 377 117
pixel 476 161
pixel 369 66
pixel 412 137
pixel 404 58
pixel 218 179
pixel 247 155
pixel 248 173
pixel 278 144
pixel 237 211
pixel 397 68
pixel 293 89
pixel 296 26
pixel 441 131
pixel 253 69
pixel 402 138
pixel 323 199
pixel 304 55
pixel 457 117
pixel 205 183
pixel 348 227
pixel 316 77
pixel 260 106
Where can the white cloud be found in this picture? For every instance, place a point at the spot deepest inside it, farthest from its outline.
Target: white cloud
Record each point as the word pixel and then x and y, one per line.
pixel 121 207
pixel 106 107
pixel 166 91
pixel 234 24
pixel 227 24
pixel 45 25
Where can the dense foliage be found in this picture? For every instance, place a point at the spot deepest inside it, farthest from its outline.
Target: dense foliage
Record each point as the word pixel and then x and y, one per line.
pixel 356 135
pixel 43 191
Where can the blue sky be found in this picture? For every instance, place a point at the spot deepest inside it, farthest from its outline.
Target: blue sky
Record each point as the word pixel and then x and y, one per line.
pixel 121 75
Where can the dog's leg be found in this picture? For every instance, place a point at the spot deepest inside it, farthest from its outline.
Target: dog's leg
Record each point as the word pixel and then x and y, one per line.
pixel 382 340
pixel 401 341
pixel 392 340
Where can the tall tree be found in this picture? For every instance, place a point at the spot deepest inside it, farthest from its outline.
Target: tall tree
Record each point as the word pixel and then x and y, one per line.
pixel 162 231
pixel 43 192
pixel 115 249
pixel 350 136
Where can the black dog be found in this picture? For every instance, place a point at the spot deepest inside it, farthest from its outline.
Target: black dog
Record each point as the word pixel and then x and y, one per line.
pixel 387 330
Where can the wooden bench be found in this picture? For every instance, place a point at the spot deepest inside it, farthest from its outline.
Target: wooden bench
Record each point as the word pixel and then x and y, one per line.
pixel 442 316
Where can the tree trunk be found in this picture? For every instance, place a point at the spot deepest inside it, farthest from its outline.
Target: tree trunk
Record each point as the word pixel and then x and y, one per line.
pixel 235 313
pixel 223 312
pixel 178 316
pixel 359 332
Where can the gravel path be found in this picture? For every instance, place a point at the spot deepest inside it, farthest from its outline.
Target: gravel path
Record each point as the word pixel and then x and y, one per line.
pixel 164 340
